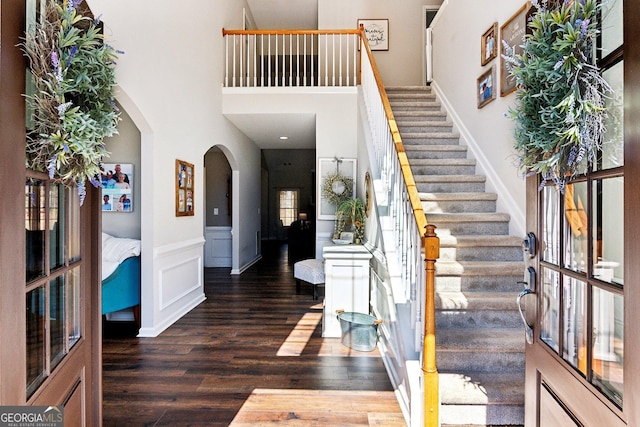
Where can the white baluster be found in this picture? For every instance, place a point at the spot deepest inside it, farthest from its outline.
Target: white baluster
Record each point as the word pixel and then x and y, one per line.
pixel 226 64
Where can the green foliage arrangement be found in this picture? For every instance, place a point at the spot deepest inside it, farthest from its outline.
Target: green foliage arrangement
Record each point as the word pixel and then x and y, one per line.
pixel 350 215
pixel 560 112
pixel 72 104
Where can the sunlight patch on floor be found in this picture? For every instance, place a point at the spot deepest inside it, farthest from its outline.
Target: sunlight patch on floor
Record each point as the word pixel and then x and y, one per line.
pixel 302 332
pixel 305 407
pixel 300 335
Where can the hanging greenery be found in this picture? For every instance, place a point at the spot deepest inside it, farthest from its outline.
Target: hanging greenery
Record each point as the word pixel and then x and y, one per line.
pixel 560 112
pixel 72 105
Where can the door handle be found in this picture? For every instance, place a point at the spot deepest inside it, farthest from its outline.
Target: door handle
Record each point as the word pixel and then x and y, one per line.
pixel 529 244
pixel 527 328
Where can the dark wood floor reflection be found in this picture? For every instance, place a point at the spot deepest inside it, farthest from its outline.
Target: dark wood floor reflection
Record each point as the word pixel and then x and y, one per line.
pixel 251 354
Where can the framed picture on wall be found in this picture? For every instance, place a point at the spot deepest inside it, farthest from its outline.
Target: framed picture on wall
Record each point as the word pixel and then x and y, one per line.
pixel 489 44
pixel 336 181
pixel 184 188
pixel 117 187
pixel 377 33
pixel 512 33
pixel 486 88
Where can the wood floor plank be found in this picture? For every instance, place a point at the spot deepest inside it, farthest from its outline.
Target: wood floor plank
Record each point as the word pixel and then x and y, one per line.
pixel 251 354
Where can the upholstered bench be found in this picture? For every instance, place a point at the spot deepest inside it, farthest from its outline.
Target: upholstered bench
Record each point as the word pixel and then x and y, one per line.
pixel 310 271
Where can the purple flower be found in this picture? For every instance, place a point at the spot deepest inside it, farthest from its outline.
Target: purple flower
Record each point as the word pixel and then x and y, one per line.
pixel 558 64
pixel 543 183
pixel 583 28
pixel 98 19
pixel 51 168
pixel 572 155
pixel 72 54
pixel 66 147
pixel 113 105
pixel 96 182
pixel 73 4
pixel 55 61
pixel 82 191
pixel 62 108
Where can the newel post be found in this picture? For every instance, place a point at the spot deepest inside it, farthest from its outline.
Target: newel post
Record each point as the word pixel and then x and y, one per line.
pixel 429 370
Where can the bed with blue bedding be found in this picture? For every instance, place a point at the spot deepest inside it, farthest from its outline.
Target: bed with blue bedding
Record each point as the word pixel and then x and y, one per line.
pixel 120 273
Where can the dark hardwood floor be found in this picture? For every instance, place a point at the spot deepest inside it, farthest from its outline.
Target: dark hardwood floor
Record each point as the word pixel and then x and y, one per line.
pixel 251 354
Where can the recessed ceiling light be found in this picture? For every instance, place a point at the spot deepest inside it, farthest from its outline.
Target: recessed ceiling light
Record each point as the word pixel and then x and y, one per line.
pixel 284 138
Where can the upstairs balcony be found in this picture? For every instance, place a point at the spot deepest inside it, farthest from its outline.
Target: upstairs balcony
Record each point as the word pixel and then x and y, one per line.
pixel 304 58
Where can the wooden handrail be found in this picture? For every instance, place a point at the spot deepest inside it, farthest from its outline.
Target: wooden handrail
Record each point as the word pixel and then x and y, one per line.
pixel 285 32
pixel 412 189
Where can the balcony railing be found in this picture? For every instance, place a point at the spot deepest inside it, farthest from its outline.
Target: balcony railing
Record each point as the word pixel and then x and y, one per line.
pixel 291 58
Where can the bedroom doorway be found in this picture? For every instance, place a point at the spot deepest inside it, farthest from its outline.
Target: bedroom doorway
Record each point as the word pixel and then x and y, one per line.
pixel 122 227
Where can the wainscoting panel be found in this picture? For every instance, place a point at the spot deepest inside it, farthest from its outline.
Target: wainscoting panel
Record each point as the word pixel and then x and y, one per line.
pixel 217 248
pixel 178 284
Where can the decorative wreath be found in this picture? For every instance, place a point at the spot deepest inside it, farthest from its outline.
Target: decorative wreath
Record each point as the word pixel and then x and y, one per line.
pixel 561 113
pixel 72 106
pixel 337 188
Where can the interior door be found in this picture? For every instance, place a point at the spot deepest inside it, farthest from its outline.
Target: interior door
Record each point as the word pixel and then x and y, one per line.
pixel 581 257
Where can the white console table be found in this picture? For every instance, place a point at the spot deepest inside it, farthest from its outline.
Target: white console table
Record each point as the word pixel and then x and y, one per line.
pixel 346 269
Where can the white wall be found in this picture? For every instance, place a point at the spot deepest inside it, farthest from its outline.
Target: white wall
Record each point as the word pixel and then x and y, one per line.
pixel 171 75
pixel 335 110
pixel 402 64
pixel 456 62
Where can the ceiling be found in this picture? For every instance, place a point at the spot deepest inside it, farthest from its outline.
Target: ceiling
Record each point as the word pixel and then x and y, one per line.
pixel 285 14
pixel 266 129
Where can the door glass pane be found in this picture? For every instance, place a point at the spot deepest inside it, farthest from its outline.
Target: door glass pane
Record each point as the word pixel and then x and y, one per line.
pixel 608 237
pixel 575 226
pixel 574 344
pixel 551 225
pixel 35 223
pixel 550 321
pixel 613 142
pixel 35 338
pixel 73 306
pixel 56 225
pixel 56 320
pixel 608 344
pixel 612 25
pixel 74 224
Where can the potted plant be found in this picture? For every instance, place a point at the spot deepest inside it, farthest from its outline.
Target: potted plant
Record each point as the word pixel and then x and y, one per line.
pixel 560 113
pixel 350 216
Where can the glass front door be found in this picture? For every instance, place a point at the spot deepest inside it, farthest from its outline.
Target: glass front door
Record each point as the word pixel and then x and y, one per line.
pixel 578 365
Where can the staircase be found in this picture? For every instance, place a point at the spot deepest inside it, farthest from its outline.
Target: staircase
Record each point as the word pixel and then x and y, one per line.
pixel 479 334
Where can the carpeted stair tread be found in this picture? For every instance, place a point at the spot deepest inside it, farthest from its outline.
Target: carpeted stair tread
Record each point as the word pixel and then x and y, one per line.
pixel 482 387
pixel 457 196
pixel 479 268
pixel 448 240
pixel 448 178
pixel 456 300
pixel 488 340
pixel 467 217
